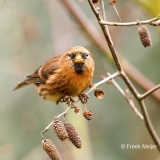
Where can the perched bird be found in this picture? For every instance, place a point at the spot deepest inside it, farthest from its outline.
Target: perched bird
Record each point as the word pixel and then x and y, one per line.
pixel 68 74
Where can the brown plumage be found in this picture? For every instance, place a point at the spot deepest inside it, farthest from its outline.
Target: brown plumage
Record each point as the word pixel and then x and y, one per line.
pixel 68 74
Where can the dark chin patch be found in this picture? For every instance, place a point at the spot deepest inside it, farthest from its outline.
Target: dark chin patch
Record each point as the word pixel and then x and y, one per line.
pixel 78 67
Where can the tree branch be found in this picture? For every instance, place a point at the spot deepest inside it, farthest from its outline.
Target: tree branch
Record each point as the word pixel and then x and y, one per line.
pixel 137 22
pixel 103 10
pixel 127 97
pixel 149 124
pixel 143 96
pixel 104 81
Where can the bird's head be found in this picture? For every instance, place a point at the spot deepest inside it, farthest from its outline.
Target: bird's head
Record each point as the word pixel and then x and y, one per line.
pixel 80 58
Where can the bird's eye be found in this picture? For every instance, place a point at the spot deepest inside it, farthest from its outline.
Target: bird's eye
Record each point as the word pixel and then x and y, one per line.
pixel 85 55
pixel 71 55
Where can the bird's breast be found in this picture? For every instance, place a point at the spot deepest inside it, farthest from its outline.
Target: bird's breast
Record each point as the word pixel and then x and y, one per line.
pixel 78 83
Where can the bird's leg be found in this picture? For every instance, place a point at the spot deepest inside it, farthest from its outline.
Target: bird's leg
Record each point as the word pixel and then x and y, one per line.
pixel 83 98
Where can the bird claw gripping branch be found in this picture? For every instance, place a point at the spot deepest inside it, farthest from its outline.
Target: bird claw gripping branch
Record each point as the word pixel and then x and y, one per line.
pixel 68 99
pixel 83 98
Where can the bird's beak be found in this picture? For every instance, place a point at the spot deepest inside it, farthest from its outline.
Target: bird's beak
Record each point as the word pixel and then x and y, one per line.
pixel 78 59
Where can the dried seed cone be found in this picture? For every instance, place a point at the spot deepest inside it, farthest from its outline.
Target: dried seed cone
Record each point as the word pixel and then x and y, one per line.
pixel 73 135
pixel 77 110
pixel 59 128
pixel 99 93
pixel 112 2
pixel 95 1
pixel 51 150
pixel 144 36
pixel 88 115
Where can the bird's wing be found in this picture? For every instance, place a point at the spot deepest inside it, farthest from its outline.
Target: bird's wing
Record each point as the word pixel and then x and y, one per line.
pixel 49 68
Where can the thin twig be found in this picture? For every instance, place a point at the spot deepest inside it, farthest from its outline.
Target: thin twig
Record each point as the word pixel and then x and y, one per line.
pixel 56 117
pixel 157 23
pixel 117 12
pixel 129 84
pixel 103 10
pixel 127 97
pixel 104 81
pixel 143 81
pixel 143 96
pixel 150 22
pixel 149 124
pixel 134 108
pixel 62 114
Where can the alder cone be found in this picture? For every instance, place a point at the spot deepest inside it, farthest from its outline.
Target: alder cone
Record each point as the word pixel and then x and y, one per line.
pixel 50 149
pixel 112 2
pixel 144 36
pixel 88 115
pixel 99 93
pixel 60 130
pixel 73 135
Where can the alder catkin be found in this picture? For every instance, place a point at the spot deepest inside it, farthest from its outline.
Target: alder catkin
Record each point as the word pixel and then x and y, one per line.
pixel 50 149
pixel 144 36
pixel 73 135
pixel 60 130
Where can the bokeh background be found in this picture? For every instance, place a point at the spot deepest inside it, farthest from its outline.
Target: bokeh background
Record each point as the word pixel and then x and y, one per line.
pixel 33 31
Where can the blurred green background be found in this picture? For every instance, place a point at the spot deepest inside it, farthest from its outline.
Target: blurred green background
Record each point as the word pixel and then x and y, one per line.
pixel 33 31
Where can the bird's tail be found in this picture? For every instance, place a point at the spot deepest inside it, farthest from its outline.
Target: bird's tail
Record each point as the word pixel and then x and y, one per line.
pixel 22 84
pixel 29 79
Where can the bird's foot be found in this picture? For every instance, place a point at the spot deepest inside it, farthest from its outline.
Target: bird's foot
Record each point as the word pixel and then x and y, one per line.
pixel 68 99
pixel 83 98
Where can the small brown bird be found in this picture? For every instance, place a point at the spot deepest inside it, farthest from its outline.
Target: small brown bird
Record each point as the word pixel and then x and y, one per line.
pixel 68 74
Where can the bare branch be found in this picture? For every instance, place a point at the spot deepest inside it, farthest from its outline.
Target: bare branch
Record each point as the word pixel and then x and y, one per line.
pixel 129 84
pixel 137 22
pixel 104 81
pixel 134 108
pixel 149 124
pixel 143 96
pixel 127 97
pixel 103 10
